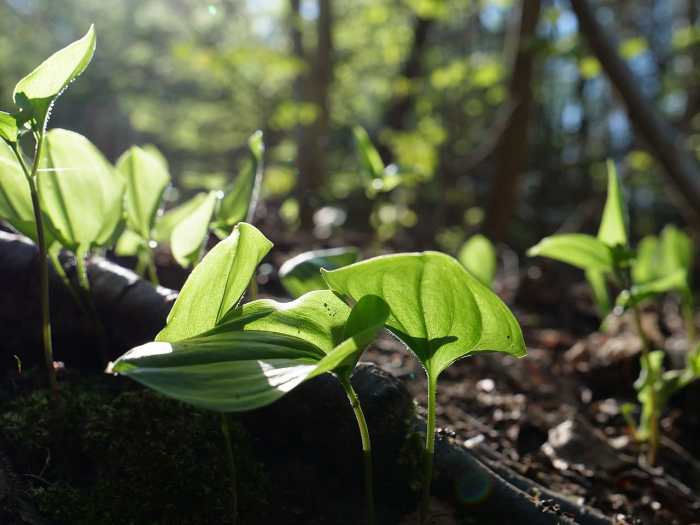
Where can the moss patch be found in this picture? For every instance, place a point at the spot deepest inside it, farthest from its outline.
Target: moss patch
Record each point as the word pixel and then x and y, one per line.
pixel 129 457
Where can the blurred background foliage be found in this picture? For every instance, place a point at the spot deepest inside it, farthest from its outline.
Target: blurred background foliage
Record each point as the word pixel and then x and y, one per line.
pixel 440 86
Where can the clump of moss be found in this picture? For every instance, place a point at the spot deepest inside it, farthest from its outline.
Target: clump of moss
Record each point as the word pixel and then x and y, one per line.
pixel 130 458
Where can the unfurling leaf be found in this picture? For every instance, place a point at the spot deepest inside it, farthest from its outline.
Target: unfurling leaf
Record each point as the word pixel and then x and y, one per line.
pixel 479 257
pixel 216 284
pixel 41 87
pixel 613 225
pixel 302 274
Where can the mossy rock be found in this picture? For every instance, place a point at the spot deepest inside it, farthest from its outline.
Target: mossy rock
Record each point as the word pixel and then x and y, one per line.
pixel 130 457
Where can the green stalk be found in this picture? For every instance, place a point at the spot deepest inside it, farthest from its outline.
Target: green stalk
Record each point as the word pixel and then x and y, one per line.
pixel 84 282
pixel 58 268
pixel 429 451
pixel 654 416
pixel 226 431
pixel 151 265
pixel 43 260
pixel 366 447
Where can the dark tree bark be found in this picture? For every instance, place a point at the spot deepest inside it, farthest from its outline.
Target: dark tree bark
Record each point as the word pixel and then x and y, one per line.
pixel 665 143
pixel 312 86
pixel 511 152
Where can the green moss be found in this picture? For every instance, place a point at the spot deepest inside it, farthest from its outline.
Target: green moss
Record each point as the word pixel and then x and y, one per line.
pixel 128 458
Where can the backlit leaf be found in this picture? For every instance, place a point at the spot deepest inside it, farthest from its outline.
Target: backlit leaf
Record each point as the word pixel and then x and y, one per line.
pixel 15 197
pixel 613 225
pixel 370 160
pixel 302 274
pixel 190 234
pixel 479 257
pixel 578 249
pixel 166 223
pixel 8 127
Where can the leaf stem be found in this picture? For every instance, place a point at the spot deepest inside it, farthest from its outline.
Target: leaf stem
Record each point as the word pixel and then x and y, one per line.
pixel 43 260
pixel 226 431
pixel 151 265
pixel 429 451
pixel 654 415
pixel 366 447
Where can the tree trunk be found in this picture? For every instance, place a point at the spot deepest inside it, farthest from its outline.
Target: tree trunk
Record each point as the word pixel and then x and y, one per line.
pixel 664 142
pixel 511 152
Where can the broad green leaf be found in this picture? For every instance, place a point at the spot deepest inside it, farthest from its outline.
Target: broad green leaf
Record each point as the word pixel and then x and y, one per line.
pixel 81 194
pixel 438 308
pixel 370 160
pixel 674 281
pixel 613 225
pixel 302 274
pixel 318 317
pixel 155 152
pixel 146 180
pixel 216 284
pixel 225 371
pixel 580 250
pixel 189 236
pixel 15 197
pixel 676 250
pixel 645 266
pixel 596 279
pixel 8 127
pixel 42 86
pixel 479 257
pixel 128 244
pixel 166 223
pixel 240 199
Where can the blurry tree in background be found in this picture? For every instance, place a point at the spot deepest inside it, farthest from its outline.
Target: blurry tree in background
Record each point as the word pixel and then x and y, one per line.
pixel 498 114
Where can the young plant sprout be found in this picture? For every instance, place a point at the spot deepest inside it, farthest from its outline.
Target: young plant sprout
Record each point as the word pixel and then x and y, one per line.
pixel 478 255
pixel 301 274
pixel 659 266
pixel 228 358
pixel 440 311
pixel 378 178
pixel 35 96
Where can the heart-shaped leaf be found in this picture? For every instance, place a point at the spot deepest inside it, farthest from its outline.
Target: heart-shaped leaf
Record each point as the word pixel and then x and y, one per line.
pixel 578 249
pixel 146 179
pixel 41 87
pixel 81 194
pixel 613 225
pixel 216 284
pixel 190 234
pixel 438 308
pixel 240 199
pixel 479 257
pixel 302 274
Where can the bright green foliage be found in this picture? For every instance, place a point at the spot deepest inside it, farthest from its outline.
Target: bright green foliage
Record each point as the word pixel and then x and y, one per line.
pixel 8 127
pixel 240 199
pixel 81 194
pixel 438 308
pixel 41 87
pixel 478 255
pixel 598 283
pixel 189 236
pixel 146 179
pixel 380 178
pixel 167 222
pixel 216 285
pixel 613 225
pixel 677 280
pixel 15 197
pixel 578 249
pixel 128 244
pixel 301 274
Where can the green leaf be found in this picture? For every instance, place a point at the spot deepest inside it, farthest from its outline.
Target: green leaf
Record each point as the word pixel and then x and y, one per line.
pixel 146 180
pixel 15 197
pixel 645 266
pixel 318 317
pixel 128 244
pixel 370 160
pixel 438 308
pixel 216 284
pixel 596 279
pixel 675 281
pixel 676 250
pixel 8 127
pixel 613 226
pixel 479 257
pixel 42 86
pixel 225 371
pixel 190 235
pixel 166 223
pixel 81 194
pixel 648 387
pixel 240 199
pixel 302 274
pixel 580 250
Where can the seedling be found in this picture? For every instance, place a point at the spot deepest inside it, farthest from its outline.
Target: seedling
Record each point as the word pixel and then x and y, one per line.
pixel 440 311
pixel 479 257
pixel 659 266
pixel 378 178
pixel 35 96
pixel 228 358
pixel 301 274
